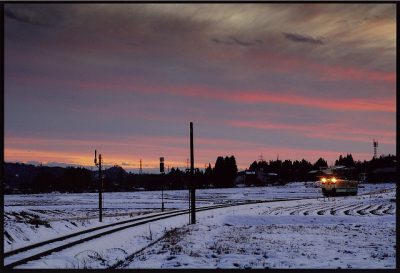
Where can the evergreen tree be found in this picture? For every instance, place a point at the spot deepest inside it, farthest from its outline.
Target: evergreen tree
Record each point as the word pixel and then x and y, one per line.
pixel 339 161
pixel 287 164
pixel 286 174
pixel 347 161
pixel 253 166
pixel 225 171
pixel 320 163
pixel 263 165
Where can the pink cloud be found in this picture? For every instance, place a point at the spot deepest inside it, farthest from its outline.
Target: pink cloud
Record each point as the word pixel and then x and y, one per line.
pixel 250 96
pixel 255 97
pixel 149 149
pixel 362 104
pixel 338 73
pixel 292 64
pixel 337 131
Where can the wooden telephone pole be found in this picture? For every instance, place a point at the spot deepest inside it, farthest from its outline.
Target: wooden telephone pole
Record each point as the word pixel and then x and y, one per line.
pixel 100 185
pixel 162 182
pixel 192 188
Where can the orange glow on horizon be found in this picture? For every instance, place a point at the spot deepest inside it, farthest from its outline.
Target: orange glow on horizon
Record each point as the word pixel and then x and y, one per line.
pixel 45 157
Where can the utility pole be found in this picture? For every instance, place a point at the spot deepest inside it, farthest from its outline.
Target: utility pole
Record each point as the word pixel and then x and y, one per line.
pixel 162 182
pixel 100 185
pixel 192 190
pixel 190 203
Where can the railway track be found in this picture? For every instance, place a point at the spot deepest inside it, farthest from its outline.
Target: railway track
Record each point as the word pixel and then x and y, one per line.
pixel 336 208
pixel 305 210
pixel 36 251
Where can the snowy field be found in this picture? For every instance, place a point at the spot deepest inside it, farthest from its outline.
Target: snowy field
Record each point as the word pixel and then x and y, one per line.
pixel 345 232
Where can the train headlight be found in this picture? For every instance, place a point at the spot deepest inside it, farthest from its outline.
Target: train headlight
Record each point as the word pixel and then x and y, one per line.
pixel 323 180
pixel 333 180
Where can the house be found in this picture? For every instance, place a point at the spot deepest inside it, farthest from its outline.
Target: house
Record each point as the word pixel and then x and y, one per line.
pixel 386 174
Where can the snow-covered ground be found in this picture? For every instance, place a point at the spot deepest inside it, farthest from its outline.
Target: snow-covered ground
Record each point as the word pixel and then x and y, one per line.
pixel 344 232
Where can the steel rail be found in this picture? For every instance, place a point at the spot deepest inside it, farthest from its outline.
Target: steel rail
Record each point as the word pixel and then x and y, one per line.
pixel 134 222
pixel 118 227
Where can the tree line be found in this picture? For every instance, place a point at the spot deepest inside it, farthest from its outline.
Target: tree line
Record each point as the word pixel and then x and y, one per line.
pixel 376 170
pixel 21 178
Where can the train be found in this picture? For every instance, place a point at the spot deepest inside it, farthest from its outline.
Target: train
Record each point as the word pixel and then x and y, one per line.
pixel 338 181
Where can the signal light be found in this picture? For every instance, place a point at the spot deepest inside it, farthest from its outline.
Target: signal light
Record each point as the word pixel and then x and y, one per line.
pixel 323 180
pixel 333 180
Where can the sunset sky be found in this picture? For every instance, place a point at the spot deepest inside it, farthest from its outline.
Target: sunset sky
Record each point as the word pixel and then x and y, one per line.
pixel 289 80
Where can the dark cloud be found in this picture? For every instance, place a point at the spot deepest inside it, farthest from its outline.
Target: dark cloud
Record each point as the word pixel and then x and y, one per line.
pixel 218 41
pixel 294 37
pixel 242 43
pixel 117 58
pixel 236 41
pixel 372 18
pixel 24 17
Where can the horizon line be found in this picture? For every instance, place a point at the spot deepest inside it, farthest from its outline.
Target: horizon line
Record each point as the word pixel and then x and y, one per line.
pixel 153 169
